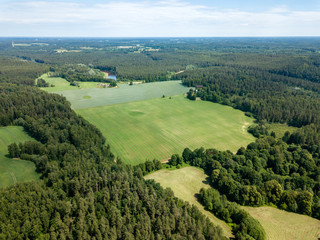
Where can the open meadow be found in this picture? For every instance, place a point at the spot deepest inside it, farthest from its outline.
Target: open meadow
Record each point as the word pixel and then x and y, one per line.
pixel 185 183
pixel 278 224
pixel 88 94
pixel 14 170
pixel 60 84
pixel 160 127
pixel 124 93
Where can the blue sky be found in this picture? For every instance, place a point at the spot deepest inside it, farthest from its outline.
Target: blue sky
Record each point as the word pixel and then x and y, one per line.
pixel 159 18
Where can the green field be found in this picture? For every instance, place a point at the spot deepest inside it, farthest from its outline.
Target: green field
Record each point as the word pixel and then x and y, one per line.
pixel 123 94
pixel 157 128
pixel 89 95
pixel 185 183
pixel 280 224
pixel 280 129
pixel 61 84
pixel 13 170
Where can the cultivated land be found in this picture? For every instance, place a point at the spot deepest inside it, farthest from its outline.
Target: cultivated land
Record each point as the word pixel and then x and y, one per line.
pixel 158 128
pixel 280 224
pixel 185 183
pixel 14 170
pixel 123 94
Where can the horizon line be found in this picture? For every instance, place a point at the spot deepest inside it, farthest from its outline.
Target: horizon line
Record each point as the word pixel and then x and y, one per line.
pixel 140 37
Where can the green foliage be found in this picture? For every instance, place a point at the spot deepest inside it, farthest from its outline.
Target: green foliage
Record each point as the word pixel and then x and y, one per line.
pixel 258 130
pixel 176 160
pixel 186 183
pixel 19 71
pixel 268 172
pixel 42 83
pixel 113 84
pixel 244 227
pixel 79 72
pixel 268 96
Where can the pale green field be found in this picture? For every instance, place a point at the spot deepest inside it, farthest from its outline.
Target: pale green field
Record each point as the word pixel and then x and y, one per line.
pixel 185 183
pixel 89 95
pixel 280 224
pixel 280 129
pixel 61 84
pixel 13 170
pixel 158 128
pixel 123 94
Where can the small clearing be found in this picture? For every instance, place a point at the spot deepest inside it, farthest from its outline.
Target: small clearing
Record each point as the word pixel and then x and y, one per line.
pixel 186 183
pixel 280 224
pixel 14 170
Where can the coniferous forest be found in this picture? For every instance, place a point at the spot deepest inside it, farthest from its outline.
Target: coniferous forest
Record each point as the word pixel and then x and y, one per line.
pixel 85 192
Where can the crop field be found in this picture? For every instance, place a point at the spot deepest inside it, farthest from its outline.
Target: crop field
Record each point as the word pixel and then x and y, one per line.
pixel 185 183
pixel 13 170
pixel 123 94
pixel 158 128
pixel 280 224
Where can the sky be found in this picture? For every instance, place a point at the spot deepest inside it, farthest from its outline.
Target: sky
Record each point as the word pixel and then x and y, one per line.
pixel 159 18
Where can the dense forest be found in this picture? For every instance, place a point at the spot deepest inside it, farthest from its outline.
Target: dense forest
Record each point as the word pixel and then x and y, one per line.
pixel 86 193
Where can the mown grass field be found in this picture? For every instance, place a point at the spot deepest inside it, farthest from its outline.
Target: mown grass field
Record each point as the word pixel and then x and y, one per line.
pixel 280 224
pixel 158 128
pixel 279 129
pixel 123 94
pixel 61 84
pixel 13 170
pixel 185 183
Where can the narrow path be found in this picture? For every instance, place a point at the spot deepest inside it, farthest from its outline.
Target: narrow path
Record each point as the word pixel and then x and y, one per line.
pixel 13 178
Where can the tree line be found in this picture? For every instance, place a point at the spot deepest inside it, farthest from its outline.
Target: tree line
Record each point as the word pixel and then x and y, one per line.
pixel 269 171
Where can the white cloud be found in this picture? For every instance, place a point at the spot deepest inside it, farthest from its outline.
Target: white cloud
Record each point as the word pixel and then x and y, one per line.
pixel 152 18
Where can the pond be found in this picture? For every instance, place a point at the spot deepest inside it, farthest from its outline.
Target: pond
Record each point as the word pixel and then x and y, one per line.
pixel 114 77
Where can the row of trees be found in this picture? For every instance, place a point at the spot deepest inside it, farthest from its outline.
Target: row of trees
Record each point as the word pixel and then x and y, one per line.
pixel 79 73
pixel 243 225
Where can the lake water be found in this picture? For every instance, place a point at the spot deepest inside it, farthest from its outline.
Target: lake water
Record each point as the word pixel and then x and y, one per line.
pixel 114 77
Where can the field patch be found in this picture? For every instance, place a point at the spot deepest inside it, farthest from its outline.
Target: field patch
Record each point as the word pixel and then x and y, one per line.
pixel 280 129
pixel 185 183
pixel 60 84
pixel 158 128
pixel 123 94
pixel 14 170
pixel 280 224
